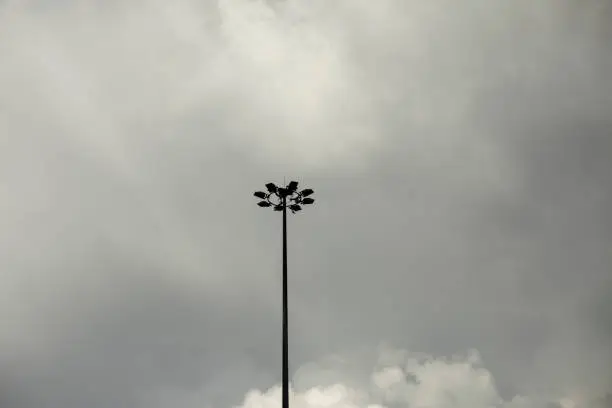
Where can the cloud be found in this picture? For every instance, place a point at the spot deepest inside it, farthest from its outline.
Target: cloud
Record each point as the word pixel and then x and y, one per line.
pixel 404 380
pixel 113 65
pixel 460 154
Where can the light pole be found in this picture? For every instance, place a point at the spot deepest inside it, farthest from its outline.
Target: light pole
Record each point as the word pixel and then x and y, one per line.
pixel 281 198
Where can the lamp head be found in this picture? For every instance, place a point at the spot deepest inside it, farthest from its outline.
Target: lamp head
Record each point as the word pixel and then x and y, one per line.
pixel 280 198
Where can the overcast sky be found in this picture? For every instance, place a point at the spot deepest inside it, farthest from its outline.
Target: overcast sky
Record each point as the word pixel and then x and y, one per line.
pixel 459 253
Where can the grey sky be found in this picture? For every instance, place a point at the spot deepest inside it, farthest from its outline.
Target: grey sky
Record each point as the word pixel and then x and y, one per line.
pixel 461 155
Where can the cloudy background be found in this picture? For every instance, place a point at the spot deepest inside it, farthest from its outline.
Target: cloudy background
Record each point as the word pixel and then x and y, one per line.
pixel 458 255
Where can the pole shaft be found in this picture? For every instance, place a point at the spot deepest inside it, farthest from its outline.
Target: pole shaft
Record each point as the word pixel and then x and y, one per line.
pixel 285 402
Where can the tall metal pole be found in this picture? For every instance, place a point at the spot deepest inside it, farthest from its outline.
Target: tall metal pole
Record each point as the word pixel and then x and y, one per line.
pixel 285 313
pixel 277 198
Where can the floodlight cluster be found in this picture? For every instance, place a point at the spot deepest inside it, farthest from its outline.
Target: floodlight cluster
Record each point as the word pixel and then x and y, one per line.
pixel 289 196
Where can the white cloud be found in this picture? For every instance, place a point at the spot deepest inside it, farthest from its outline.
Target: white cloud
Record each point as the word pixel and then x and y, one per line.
pixel 415 381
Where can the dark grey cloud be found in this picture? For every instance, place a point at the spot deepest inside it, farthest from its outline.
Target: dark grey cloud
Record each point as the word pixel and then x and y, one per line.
pixel 460 154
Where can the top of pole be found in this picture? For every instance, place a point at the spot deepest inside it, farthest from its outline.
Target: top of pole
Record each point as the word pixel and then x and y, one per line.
pixel 280 198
